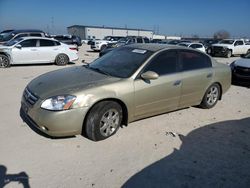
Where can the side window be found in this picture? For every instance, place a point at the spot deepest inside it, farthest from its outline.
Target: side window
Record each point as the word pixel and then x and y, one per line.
pixel 239 42
pixel 22 35
pixel 194 60
pixel 146 40
pixel 46 43
pixel 35 34
pixel 28 43
pixel 56 43
pixel 164 63
pixel 139 40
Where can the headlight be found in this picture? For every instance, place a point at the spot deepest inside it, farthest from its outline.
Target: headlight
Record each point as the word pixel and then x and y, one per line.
pixel 57 103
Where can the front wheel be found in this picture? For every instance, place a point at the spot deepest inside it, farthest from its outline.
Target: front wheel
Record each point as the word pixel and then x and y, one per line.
pixel 62 59
pixel 103 120
pixel 211 96
pixel 229 53
pixel 4 61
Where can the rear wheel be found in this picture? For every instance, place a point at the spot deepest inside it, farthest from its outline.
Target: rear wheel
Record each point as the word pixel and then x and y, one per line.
pixel 211 96
pixel 103 120
pixel 4 61
pixel 62 59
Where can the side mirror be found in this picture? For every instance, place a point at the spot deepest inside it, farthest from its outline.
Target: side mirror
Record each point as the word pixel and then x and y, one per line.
pixel 19 46
pixel 149 75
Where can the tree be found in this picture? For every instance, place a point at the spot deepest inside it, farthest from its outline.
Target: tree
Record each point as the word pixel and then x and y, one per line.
pixel 222 34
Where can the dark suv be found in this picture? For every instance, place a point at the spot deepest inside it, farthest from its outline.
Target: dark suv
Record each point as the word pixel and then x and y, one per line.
pixel 122 42
pixel 8 35
pixel 68 39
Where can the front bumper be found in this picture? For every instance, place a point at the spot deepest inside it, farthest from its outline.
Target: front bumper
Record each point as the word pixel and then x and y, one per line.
pixel 53 123
pixel 241 75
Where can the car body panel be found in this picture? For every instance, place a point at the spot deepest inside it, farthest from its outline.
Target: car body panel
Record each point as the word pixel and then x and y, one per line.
pixel 139 98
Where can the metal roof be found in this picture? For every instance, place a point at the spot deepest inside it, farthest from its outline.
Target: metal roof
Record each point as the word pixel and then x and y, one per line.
pixel 104 27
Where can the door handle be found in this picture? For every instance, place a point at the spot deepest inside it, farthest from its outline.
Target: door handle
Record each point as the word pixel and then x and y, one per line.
pixel 176 83
pixel 209 75
pixel 33 49
pixel 55 49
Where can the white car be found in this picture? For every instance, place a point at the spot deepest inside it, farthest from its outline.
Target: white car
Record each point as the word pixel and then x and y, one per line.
pixel 197 46
pixel 36 50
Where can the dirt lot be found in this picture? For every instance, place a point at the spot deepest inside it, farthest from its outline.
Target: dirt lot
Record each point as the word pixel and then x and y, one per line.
pixel 187 148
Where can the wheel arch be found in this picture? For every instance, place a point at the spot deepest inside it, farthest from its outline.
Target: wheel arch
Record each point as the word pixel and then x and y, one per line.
pixel 120 102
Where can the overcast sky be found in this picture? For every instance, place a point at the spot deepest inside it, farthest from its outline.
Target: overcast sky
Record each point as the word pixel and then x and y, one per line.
pixel 174 17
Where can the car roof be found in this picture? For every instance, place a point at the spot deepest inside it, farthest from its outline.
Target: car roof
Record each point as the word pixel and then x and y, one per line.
pixel 27 31
pixel 154 47
pixel 38 38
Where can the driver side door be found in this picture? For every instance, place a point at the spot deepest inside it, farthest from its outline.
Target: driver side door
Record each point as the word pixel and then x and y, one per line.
pixel 162 94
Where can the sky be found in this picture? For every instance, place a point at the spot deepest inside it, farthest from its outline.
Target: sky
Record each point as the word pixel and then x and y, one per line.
pixel 168 17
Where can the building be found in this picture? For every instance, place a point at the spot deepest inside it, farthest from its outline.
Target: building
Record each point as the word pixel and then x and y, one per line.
pixel 96 32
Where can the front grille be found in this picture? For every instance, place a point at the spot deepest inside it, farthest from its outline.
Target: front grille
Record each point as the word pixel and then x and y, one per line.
pixel 29 97
pixel 242 71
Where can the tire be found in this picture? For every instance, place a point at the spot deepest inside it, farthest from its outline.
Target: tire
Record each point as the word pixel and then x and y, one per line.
pixel 248 51
pixel 103 47
pixel 229 53
pixel 62 59
pixel 103 120
pixel 209 51
pixel 211 96
pixel 4 61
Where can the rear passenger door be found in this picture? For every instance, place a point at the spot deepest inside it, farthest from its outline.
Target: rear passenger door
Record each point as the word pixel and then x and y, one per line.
pixel 197 76
pixel 48 50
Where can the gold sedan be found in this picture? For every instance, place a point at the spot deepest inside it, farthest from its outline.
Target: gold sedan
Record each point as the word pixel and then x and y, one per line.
pixel 129 83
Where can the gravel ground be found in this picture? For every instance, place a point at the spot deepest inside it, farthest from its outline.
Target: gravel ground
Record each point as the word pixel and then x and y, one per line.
pixel 187 148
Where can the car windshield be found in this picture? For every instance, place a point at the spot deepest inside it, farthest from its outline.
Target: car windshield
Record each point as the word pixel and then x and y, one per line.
pixel 226 42
pixel 13 42
pixel 121 62
pixel 6 36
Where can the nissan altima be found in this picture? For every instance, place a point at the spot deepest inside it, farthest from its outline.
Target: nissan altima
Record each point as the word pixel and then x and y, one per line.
pixel 129 83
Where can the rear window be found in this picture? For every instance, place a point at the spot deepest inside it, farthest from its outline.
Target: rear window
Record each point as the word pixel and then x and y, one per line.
pixel 46 43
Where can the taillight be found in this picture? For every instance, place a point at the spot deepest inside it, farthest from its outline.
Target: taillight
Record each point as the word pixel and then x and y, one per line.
pixel 73 48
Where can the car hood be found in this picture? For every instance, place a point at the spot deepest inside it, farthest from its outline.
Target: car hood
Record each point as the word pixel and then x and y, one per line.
pixel 3 47
pixel 243 63
pixel 68 81
pixel 223 45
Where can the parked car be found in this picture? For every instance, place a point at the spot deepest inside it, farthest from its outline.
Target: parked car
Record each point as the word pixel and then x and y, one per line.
pixel 208 43
pixel 99 45
pixel 174 42
pixel 130 83
pixel 68 39
pixel 197 46
pixel 32 50
pixel 122 42
pixel 241 70
pixel 13 34
pixel 229 47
